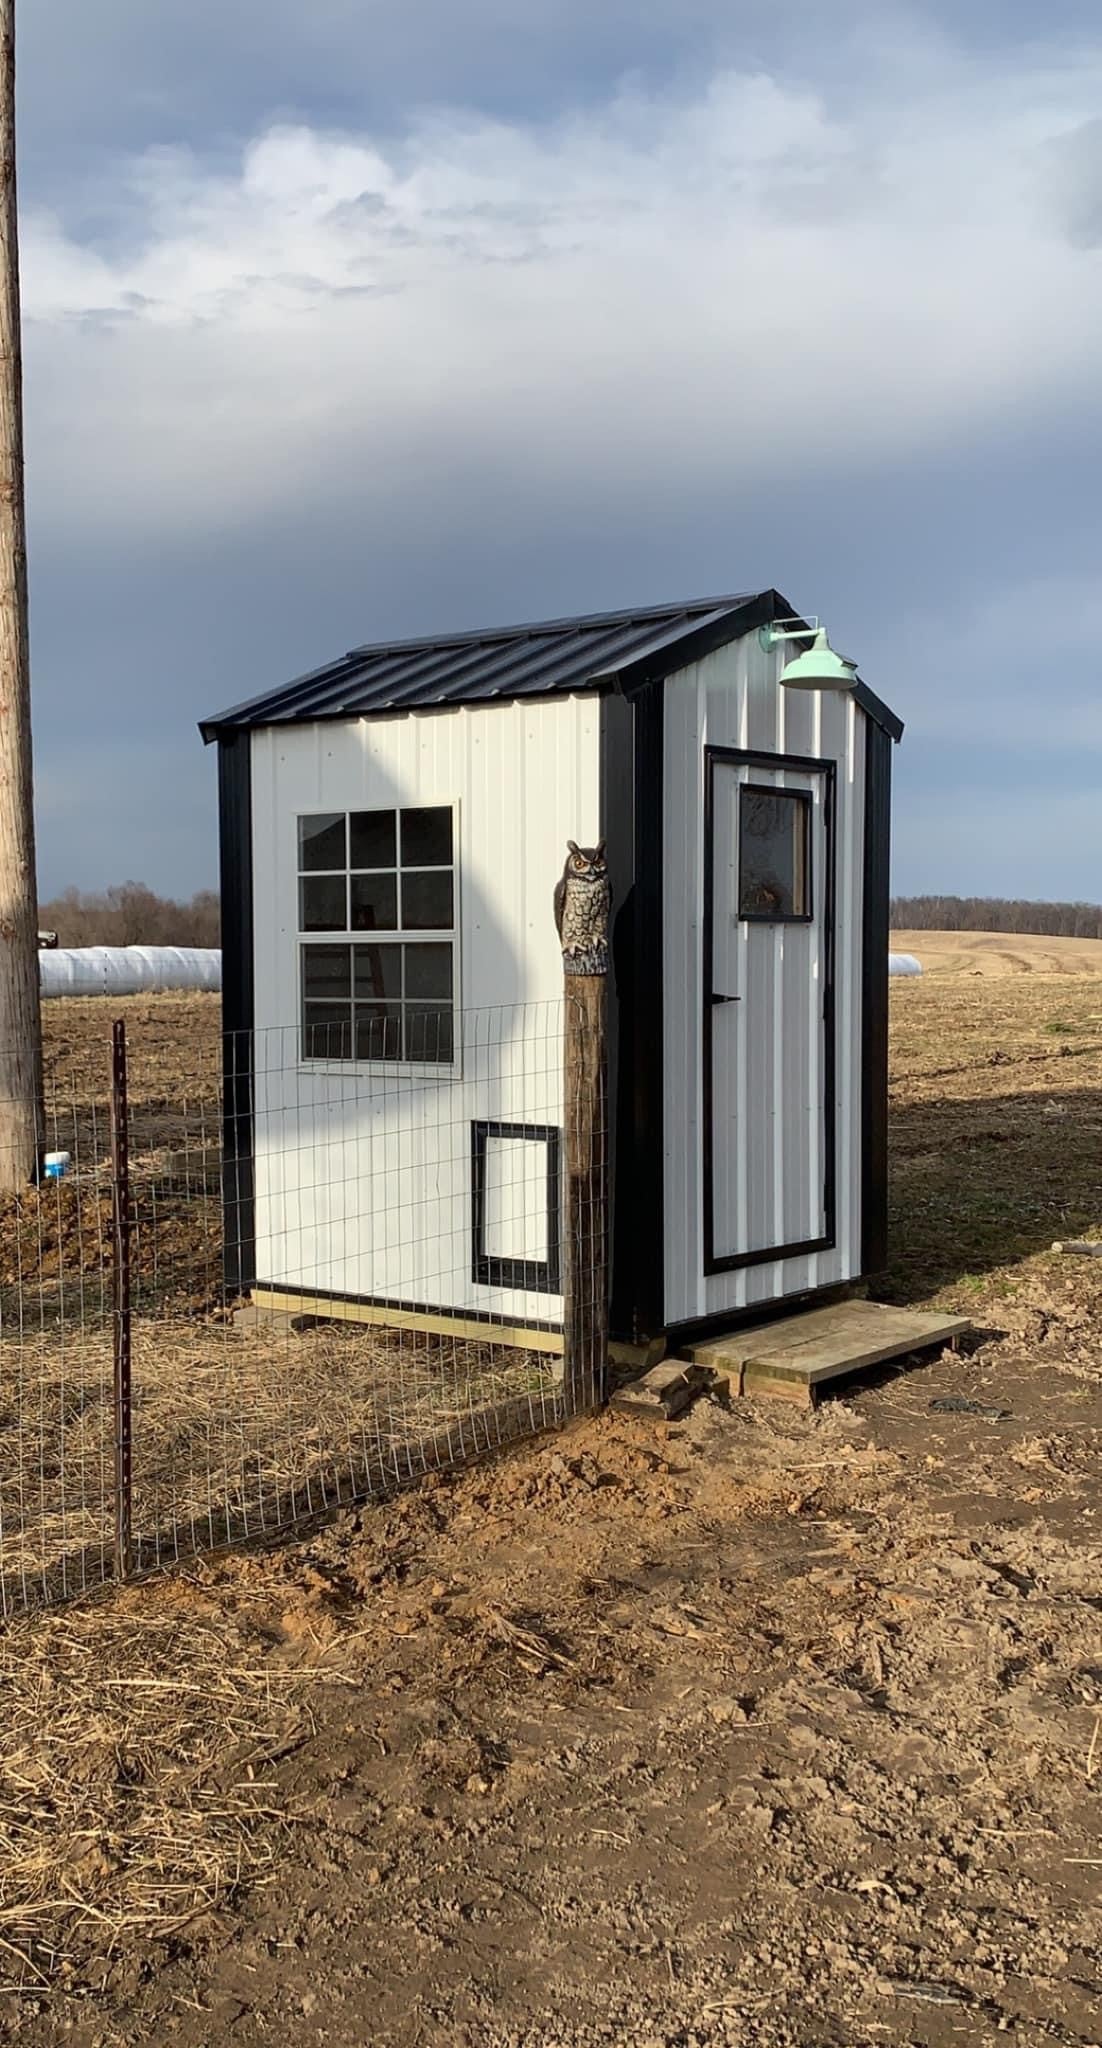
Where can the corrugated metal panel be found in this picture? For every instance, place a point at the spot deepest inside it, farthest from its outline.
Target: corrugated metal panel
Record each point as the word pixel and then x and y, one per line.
pixel 732 699
pixel 506 662
pixel 363 1176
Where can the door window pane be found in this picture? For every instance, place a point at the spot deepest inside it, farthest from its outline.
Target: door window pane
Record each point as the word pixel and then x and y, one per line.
pixel 427 838
pixel 372 839
pixel 774 885
pixel 322 906
pixel 321 843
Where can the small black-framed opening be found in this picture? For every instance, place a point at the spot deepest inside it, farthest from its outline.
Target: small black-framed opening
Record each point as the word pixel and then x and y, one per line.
pixel 774 855
pixel 543 1276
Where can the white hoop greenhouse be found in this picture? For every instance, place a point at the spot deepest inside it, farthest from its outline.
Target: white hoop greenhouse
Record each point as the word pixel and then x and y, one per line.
pixel 129 970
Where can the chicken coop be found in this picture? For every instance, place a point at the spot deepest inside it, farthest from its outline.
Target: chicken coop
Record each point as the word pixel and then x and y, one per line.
pixel 393 827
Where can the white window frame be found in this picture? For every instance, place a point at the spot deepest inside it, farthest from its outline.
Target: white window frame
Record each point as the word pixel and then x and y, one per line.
pixel 441 1070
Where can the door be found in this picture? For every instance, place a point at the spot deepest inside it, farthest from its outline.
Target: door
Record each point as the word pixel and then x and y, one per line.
pixel 769 1092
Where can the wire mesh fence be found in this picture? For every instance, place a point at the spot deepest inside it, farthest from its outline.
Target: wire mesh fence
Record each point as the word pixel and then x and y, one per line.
pixel 325 1275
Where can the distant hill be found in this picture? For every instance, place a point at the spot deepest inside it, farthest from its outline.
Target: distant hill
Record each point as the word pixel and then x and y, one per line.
pixel 996 914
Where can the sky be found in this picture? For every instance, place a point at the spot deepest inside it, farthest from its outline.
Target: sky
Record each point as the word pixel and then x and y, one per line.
pixel 358 320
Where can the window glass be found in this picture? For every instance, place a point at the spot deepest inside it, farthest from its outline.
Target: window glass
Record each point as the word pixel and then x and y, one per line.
pixel 321 843
pixel 429 971
pixel 427 901
pixel 378 1031
pixel 389 873
pixel 374 903
pixel 327 971
pixel 372 839
pixel 327 1031
pixel 429 1031
pixel 773 855
pixel 378 971
pixel 322 904
pixel 427 838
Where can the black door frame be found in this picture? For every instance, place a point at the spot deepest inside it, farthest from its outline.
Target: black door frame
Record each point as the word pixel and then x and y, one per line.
pixel 739 757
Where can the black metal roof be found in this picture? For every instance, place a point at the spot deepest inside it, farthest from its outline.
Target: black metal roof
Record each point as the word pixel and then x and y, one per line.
pixel 603 650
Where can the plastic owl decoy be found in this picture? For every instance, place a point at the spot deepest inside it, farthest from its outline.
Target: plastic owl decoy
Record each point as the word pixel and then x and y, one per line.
pixel 583 899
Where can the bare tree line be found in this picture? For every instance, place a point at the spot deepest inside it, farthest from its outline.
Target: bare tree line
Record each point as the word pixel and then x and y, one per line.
pixel 996 914
pixel 130 914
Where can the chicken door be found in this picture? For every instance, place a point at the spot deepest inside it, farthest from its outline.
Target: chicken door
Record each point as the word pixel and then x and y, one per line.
pixel 769 1091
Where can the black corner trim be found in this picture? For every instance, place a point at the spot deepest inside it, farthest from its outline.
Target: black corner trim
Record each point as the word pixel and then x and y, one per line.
pixel 647 1161
pixel 874 1001
pixel 541 1276
pixel 235 831
pixel 874 708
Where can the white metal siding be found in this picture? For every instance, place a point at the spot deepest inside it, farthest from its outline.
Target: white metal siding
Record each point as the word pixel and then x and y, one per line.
pixel 732 699
pixel 363 1175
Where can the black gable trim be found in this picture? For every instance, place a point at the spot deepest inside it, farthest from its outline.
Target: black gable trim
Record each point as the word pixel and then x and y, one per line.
pixel 874 708
pixel 693 644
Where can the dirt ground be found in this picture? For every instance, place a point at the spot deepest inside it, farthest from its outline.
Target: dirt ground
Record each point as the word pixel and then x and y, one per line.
pixel 776 1728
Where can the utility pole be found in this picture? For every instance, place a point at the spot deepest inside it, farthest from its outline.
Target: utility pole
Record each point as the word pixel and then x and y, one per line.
pixel 21 1113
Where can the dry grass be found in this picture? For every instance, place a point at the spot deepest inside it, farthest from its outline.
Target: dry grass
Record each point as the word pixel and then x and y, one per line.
pixel 135 1734
pixel 236 1434
pixel 996 1130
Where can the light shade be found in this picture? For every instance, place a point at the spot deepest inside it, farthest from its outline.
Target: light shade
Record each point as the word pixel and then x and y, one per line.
pixel 820 668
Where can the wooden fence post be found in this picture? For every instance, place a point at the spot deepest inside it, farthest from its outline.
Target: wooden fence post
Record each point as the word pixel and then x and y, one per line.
pixel 582 903
pixel 22 1122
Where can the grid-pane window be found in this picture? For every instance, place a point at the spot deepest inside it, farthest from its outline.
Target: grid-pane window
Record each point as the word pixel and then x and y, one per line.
pixel 774 880
pixel 383 884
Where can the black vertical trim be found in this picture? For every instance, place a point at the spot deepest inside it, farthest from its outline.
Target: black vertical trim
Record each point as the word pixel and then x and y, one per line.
pixel 737 757
pixel 874 999
pixel 647 1158
pixel 235 827
pixel 618 833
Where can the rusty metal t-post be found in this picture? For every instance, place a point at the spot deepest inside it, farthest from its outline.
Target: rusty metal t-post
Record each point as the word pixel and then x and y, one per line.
pixel 120 1189
pixel 585 1113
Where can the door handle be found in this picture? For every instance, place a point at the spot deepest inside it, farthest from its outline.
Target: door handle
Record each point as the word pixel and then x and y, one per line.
pixel 716 998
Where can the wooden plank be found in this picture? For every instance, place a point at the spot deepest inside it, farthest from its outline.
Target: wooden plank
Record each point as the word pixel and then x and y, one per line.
pixel 325 1310
pixel 825 1343
pixel 515 1335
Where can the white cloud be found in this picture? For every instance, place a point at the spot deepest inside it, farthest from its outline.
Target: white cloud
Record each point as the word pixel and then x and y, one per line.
pixel 746 282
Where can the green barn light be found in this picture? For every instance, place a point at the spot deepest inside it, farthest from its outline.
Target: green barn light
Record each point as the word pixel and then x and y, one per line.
pixel 818 667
